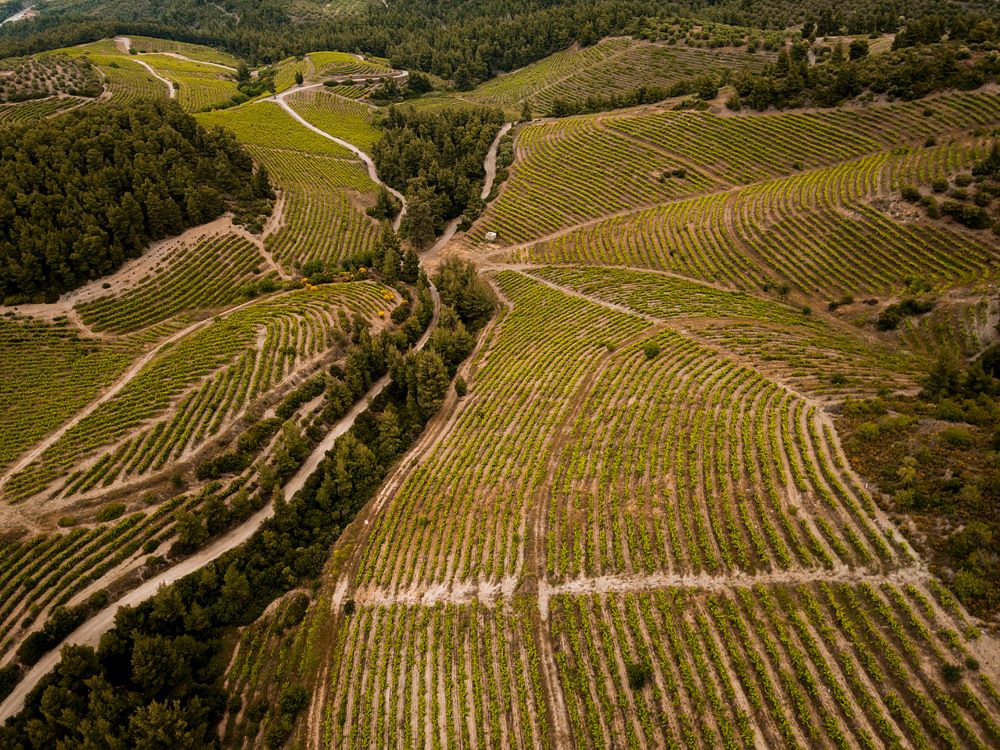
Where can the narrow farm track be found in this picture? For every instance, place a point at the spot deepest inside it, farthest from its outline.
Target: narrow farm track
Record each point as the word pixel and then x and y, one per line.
pixel 171 91
pixel 279 99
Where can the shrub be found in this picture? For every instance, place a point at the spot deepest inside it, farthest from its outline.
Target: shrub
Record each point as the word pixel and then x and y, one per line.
pixel 869 431
pixel 293 700
pixel 951 672
pixel 461 387
pixel 890 318
pixel 639 674
pixel 651 349
pixel 956 437
pixel 911 194
pixel 110 512
pixel 9 676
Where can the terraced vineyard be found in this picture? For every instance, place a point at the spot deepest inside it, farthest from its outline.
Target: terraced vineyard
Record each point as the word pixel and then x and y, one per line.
pixel 337 115
pixel 610 67
pixel 813 230
pixel 324 185
pixel 656 544
pixel 200 85
pixel 195 387
pixel 205 275
pixel 36 355
pixel 144 44
pixel 328 64
pixel 609 173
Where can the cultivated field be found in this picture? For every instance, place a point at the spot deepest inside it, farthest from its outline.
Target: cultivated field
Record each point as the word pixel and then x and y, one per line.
pixel 634 521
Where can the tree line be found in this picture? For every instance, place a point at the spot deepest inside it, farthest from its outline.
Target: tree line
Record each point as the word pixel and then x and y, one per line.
pixel 82 194
pixel 467 41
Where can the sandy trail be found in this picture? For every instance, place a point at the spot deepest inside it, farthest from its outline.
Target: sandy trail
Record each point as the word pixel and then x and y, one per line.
pixel 152 71
pixel 279 99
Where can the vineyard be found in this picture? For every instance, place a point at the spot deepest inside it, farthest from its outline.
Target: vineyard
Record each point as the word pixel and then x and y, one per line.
pixel 195 387
pixel 572 564
pixel 637 516
pixel 324 185
pixel 610 67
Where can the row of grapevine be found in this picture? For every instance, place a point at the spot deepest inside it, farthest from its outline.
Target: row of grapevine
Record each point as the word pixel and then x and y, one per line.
pixel 49 372
pixel 573 170
pixel 819 666
pixel 194 388
pixel 203 275
pixel 461 515
pixel 714 469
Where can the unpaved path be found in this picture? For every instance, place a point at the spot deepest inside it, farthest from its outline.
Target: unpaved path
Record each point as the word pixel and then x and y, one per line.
pixel 152 71
pixel 134 369
pixel 279 99
pixel 490 164
pixel 91 631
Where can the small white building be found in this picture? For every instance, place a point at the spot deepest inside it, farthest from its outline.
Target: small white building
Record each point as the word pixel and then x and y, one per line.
pixel 491 237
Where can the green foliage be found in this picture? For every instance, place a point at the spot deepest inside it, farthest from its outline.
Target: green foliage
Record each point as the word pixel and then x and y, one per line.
pixel 436 159
pixel 890 318
pixel 462 289
pixel 75 202
pixel 639 674
pixel 110 512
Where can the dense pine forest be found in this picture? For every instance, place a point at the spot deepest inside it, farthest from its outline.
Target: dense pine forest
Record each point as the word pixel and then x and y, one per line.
pixel 81 196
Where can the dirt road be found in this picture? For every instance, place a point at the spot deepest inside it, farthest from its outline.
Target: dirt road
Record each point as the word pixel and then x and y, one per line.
pixel 369 163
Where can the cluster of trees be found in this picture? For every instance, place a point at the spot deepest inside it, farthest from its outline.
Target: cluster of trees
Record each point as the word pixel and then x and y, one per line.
pixel 436 160
pixel 155 679
pixel 907 73
pixel 935 455
pixel 890 318
pixel 969 199
pixel 80 195
pixel 250 87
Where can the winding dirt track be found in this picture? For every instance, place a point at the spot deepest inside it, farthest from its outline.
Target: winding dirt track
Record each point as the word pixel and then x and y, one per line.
pixel 152 71
pixel 279 99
